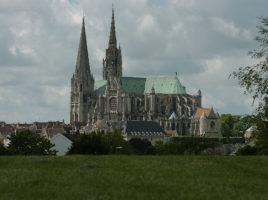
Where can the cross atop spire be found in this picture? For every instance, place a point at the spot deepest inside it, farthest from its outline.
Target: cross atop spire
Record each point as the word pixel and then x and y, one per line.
pixel 112 40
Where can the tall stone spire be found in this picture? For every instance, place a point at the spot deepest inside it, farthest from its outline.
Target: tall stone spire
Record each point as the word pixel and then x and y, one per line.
pixel 82 62
pixel 112 64
pixel 82 82
pixel 112 40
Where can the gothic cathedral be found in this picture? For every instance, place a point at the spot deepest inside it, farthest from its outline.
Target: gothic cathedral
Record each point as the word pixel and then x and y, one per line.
pixel 117 98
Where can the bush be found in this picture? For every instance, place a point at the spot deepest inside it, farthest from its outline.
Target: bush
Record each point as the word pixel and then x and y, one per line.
pixel 224 140
pixel 100 144
pixel 29 143
pixel 247 150
pixel 89 144
pixel 116 142
pixel 141 146
pixel 3 150
pixel 185 145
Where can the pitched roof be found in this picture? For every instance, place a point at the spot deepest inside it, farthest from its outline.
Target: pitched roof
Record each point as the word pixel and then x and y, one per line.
pixel 144 128
pixel 208 112
pixel 173 116
pixel 97 123
pixel 164 85
pixel 138 85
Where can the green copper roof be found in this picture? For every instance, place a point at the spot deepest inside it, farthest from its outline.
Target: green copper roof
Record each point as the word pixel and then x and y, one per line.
pixel 99 87
pixel 133 85
pixel 136 85
pixel 164 85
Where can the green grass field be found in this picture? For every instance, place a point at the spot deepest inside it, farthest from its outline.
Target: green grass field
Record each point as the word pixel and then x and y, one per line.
pixel 134 177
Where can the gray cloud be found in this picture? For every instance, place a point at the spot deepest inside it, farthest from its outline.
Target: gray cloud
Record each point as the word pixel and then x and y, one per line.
pixel 204 41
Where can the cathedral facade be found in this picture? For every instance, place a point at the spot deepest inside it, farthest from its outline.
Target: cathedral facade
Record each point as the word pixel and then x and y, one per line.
pixel 117 98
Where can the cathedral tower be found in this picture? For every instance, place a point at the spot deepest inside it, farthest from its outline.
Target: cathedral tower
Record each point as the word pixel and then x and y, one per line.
pixel 112 64
pixel 82 82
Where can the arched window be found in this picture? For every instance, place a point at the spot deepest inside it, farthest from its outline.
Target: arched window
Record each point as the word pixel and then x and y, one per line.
pixel 212 125
pixel 163 110
pixel 113 104
pixel 138 103
pixel 81 87
pixel 173 126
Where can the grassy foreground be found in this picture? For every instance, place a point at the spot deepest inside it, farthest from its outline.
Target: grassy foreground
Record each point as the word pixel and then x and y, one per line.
pixel 134 177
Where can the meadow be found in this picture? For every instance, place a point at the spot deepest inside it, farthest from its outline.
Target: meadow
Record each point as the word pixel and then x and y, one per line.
pixel 133 177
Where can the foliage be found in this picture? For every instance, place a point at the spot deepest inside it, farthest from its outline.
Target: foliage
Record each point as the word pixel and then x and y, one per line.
pixel 29 143
pixel 185 145
pixel 141 146
pixel 89 144
pixel 192 145
pixel 247 150
pixel 100 144
pixel 160 148
pixel 3 150
pixel 235 125
pixel 261 133
pixel 254 79
pixel 116 142
pixel 223 140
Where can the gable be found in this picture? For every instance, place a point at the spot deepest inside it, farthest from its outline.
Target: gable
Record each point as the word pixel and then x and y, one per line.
pixel 200 111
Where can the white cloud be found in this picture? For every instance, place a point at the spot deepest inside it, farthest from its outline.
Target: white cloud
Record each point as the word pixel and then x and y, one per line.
pixel 230 29
pixel 227 28
pixel 146 23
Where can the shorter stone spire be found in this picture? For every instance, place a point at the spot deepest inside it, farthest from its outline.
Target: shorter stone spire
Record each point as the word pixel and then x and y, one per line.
pixel 112 40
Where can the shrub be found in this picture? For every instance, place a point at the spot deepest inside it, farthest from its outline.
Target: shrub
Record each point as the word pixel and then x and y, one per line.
pixel 98 143
pixel 89 144
pixel 141 146
pixel 29 143
pixel 247 150
pixel 3 150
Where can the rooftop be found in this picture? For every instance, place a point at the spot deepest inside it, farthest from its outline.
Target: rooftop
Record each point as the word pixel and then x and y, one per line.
pixel 137 85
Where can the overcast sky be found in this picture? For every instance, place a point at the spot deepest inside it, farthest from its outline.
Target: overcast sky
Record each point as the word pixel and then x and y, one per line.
pixel 202 40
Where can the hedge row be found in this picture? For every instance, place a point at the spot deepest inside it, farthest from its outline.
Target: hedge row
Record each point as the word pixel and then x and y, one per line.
pixel 223 140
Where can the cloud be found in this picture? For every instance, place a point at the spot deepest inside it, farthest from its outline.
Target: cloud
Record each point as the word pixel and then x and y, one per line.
pixel 146 23
pixel 230 29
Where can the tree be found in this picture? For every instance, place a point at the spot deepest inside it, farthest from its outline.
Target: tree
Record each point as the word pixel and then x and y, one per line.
pixel 227 123
pixel 254 79
pixel 241 125
pixel 235 125
pixel 116 142
pixel 29 143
